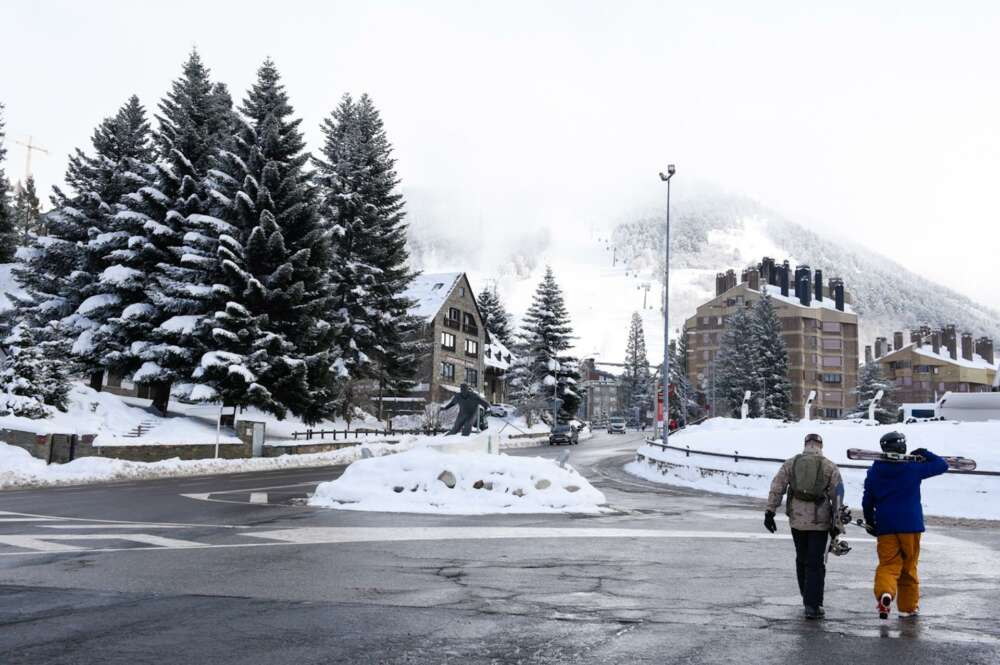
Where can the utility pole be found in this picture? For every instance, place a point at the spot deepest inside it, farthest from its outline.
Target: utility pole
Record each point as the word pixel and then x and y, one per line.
pixel 665 177
pixel 29 148
pixel 645 292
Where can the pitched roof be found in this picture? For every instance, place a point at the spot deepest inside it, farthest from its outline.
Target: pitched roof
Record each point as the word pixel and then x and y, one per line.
pixel 429 291
pixel 497 355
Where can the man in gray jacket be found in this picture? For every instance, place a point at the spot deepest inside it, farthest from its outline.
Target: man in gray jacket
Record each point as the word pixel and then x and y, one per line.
pixel 815 493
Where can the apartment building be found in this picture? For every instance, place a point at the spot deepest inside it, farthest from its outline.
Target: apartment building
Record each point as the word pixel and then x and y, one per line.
pixel 600 393
pixel 819 326
pixel 933 362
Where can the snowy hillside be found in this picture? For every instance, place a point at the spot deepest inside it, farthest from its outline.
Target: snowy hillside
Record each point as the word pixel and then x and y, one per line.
pixel 604 272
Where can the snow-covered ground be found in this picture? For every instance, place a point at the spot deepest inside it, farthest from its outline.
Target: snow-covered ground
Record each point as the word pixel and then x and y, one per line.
pixel 426 480
pixel 19 469
pixel 951 495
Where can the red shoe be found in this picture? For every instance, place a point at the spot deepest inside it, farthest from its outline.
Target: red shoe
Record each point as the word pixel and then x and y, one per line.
pixel 883 606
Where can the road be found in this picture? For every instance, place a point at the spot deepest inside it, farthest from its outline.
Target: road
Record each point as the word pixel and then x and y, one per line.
pixel 231 569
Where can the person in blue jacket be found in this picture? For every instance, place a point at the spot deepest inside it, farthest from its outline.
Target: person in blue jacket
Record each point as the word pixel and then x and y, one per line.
pixel 893 513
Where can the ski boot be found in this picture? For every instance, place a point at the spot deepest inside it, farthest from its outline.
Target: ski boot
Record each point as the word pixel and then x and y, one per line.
pixel 883 606
pixel 910 615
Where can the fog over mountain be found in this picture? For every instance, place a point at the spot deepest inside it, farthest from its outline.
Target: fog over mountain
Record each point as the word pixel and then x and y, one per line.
pixel 604 267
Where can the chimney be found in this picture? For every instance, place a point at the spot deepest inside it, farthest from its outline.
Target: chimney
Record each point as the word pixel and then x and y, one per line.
pixel 936 341
pixel 783 278
pixel 868 352
pixel 805 290
pixel 753 280
pixel 730 279
pixel 880 344
pixel 818 278
pixel 950 339
pixel 720 283
pixel 984 347
pixel 838 293
pixel 897 340
pixel 967 346
pixel 767 272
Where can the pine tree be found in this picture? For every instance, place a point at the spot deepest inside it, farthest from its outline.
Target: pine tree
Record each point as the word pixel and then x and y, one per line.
pixel 27 209
pixel 735 364
pixel 773 387
pixel 636 378
pixel 548 336
pixel 30 381
pixel 870 381
pixel 374 335
pixel 8 232
pixel 681 402
pixel 67 272
pixel 269 342
pixel 170 238
pixel 496 316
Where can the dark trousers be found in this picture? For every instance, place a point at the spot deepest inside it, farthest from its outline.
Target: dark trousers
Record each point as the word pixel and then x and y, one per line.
pixel 810 548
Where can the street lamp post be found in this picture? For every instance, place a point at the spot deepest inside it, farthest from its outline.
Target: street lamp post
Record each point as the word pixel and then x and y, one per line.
pixel 554 367
pixel 665 177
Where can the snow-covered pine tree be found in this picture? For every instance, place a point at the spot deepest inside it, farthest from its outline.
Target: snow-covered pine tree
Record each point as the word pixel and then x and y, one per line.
pixel 636 376
pixel 548 336
pixel 62 272
pixel 168 265
pixel 870 381
pixel 496 316
pixel 8 232
pixel 30 381
pixel 358 186
pixel 735 365
pixel 773 385
pixel 680 397
pixel 269 344
pixel 27 209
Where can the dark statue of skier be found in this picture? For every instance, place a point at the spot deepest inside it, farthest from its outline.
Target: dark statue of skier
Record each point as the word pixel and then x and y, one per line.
pixel 468 410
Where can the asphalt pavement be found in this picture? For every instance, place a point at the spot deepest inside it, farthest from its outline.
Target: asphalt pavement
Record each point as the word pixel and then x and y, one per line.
pixel 235 569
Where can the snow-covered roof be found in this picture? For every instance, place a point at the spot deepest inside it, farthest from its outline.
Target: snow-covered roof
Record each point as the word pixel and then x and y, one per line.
pixel 791 299
pixel 429 291
pixel 497 355
pixel 977 362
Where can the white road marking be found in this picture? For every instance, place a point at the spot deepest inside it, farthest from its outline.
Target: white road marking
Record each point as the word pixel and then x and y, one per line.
pixel 43 542
pixel 118 522
pixel 25 519
pixel 114 526
pixel 258 497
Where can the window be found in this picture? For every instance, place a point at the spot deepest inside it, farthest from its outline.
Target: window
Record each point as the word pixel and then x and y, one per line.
pixel 706 338
pixel 831 378
pixel 830 413
pixel 832 344
pixel 454 318
pixel 438 286
pixel 811 343
pixel 704 355
pixel 831 326
pixel 461 291
pixel 832 361
pixel 469 323
pixel 448 371
pixel 471 347
pixel 447 341
pixel 907 380
pixel 488 352
pixel 471 376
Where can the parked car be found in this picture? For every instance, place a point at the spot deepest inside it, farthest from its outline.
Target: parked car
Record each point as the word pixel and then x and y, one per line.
pixel 616 425
pixel 501 410
pixel 564 433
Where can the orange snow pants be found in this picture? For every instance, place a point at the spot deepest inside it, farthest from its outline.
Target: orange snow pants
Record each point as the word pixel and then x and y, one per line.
pixel 897 569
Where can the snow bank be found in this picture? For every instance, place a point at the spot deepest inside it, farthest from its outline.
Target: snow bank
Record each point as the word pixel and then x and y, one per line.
pixel 425 480
pixel 951 495
pixel 18 468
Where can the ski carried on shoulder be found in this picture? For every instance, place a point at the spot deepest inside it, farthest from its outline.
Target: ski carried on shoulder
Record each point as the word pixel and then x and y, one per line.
pixel 956 463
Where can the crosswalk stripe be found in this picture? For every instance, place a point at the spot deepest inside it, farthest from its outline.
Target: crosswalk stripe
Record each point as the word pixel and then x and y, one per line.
pixel 44 542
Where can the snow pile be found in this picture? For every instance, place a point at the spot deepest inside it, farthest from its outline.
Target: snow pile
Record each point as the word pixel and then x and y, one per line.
pixel 425 480
pixel 112 420
pixel 952 495
pixel 19 469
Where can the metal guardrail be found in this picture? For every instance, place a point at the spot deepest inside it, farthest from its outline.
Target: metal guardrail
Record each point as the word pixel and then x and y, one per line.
pixel 736 457
pixel 345 434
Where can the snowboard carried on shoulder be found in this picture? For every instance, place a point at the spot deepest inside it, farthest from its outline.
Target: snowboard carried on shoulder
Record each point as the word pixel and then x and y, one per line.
pixel 955 463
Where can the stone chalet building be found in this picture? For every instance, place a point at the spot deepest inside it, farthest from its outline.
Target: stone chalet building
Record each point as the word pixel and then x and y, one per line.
pixel 819 326
pixel 934 362
pixel 459 349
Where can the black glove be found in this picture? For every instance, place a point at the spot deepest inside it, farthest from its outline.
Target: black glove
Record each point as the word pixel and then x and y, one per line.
pixel 870 528
pixel 769 521
pixel 920 452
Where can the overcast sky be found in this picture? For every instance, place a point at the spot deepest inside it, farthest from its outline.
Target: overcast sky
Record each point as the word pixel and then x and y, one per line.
pixel 878 122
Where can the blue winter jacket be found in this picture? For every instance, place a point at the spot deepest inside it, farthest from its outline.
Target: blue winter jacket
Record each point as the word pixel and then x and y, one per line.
pixel 892 494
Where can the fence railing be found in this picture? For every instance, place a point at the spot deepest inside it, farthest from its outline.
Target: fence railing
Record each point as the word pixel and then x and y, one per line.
pixel 736 457
pixel 309 434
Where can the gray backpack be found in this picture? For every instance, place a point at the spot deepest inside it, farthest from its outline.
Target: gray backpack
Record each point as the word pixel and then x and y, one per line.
pixel 807 480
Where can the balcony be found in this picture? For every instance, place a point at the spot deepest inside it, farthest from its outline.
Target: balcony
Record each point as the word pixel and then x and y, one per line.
pixel 451 323
pixel 470 328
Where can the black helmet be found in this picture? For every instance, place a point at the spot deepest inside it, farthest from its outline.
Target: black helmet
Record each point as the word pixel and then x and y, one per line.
pixel 893 442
